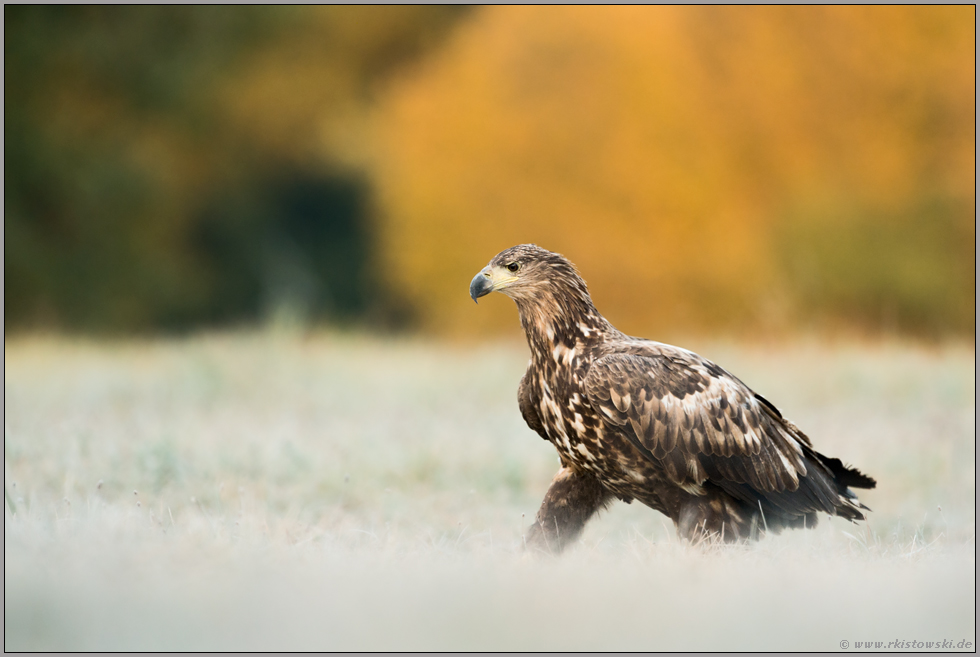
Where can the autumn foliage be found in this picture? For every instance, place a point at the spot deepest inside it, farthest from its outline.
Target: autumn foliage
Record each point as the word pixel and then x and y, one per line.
pixel 719 168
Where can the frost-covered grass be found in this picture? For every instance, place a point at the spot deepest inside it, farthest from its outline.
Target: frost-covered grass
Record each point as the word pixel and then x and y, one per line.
pixel 340 492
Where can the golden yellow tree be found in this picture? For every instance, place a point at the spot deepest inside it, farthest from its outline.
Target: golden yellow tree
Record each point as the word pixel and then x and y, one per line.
pixel 705 167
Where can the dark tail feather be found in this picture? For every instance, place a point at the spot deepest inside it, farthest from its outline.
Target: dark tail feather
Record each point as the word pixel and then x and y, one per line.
pixel 845 476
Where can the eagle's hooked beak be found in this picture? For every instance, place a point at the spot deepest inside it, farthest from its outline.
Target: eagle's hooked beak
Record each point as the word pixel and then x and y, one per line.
pixel 491 279
pixel 481 285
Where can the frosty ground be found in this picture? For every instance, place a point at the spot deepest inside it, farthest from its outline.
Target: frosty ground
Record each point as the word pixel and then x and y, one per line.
pixel 333 491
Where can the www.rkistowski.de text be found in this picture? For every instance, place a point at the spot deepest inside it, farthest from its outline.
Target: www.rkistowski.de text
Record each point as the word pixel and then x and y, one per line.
pixel 909 644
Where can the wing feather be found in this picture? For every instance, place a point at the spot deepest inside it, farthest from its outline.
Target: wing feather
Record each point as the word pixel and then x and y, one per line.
pixel 529 408
pixel 687 413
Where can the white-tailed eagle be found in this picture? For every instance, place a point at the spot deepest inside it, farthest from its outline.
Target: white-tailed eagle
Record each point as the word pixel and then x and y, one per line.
pixel 637 419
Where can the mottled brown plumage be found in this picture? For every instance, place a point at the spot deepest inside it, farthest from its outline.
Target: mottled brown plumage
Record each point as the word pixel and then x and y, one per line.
pixel 637 419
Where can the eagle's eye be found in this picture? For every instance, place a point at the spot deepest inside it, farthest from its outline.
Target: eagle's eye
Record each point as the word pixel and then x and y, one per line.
pixel 513 267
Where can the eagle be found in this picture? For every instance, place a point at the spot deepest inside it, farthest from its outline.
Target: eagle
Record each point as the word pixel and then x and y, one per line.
pixel 635 419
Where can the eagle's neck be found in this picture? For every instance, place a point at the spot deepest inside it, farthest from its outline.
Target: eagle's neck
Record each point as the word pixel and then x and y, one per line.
pixel 558 317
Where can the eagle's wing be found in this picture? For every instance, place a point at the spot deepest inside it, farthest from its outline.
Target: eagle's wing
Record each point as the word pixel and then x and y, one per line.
pixel 701 423
pixel 528 408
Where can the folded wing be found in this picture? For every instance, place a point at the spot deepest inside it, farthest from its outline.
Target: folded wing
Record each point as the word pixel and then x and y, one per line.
pixel 703 424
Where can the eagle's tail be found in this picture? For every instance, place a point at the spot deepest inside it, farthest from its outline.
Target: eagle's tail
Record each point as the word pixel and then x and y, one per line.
pixel 826 487
pixel 845 476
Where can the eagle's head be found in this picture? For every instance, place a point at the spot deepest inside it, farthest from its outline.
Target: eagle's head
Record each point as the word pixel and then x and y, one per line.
pixel 526 271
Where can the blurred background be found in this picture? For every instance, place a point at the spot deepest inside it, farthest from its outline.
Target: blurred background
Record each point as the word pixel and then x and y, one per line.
pixel 719 170
pixel 248 401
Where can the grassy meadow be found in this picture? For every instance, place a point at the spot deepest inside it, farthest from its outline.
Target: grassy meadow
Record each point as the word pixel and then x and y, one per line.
pixel 326 491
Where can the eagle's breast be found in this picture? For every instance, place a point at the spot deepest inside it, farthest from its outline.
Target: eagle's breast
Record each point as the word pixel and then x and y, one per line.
pixel 573 426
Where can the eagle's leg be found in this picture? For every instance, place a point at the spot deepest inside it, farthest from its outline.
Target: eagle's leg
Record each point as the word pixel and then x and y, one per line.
pixel 716 517
pixel 572 499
